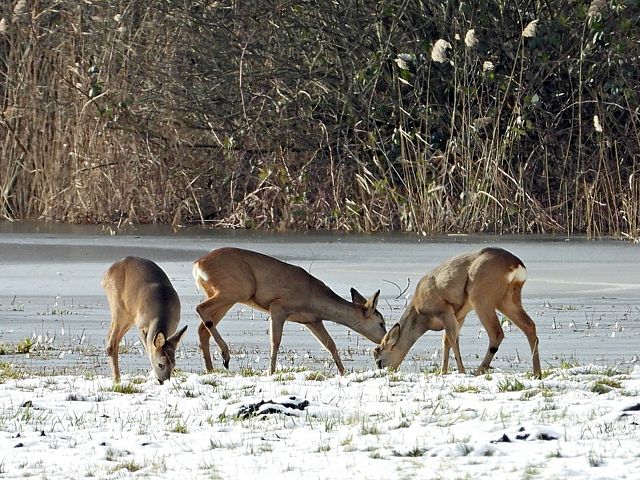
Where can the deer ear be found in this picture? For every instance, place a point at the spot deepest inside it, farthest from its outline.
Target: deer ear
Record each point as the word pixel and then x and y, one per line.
pixel 392 336
pixel 357 298
pixel 372 303
pixel 160 340
pixel 176 337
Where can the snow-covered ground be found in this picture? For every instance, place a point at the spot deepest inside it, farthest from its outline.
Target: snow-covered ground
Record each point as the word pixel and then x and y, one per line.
pixel 60 416
pixel 577 422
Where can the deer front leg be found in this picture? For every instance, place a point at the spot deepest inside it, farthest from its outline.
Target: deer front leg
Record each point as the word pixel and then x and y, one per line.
pixel 320 332
pixel 452 340
pixel 117 329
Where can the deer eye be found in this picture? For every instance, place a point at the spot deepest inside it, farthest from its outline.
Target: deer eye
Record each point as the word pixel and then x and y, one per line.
pixel 161 366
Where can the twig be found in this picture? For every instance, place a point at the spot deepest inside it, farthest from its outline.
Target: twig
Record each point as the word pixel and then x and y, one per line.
pixel 398 287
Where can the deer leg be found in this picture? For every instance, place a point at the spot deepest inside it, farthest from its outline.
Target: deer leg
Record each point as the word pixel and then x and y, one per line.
pixel 120 324
pixel 445 354
pixel 211 313
pixel 451 331
pixel 491 324
pixel 521 319
pixel 277 318
pixel 320 332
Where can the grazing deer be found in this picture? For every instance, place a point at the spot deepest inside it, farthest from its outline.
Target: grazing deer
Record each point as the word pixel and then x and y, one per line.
pixel 232 275
pixel 484 281
pixel 140 293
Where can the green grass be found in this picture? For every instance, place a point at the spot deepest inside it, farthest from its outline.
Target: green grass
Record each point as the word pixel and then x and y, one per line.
pixel 179 427
pixel 414 452
pixel 24 346
pixel 126 388
pixel 511 385
pixel 466 389
pixel 131 466
pixel 605 385
pixel 369 429
pixel 283 377
pixel 316 376
pixel 249 372
pixel 8 372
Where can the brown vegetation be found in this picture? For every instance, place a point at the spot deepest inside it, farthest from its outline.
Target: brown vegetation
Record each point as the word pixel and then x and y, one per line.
pixel 349 115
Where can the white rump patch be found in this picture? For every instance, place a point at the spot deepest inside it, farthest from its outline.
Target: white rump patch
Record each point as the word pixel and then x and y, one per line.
pixel 517 275
pixel 199 275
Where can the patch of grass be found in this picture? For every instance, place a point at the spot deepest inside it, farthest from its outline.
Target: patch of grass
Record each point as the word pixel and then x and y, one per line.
pixel 4 349
pixel 595 460
pixel 24 346
pixel 283 377
pixel 554 454
pixel 529 394
pixel 249 372
pixel 611 372
pixel 316 376
pixel 605 385
pixel 212 382
pixel 376 455
pixel 511 385
pixel 369 429
pixel 130 465
pixel 325 447
pixel 9 372
pixel 126 388
pixel 404 424
pixel 190 393
pixel 395 376
pixel 547 392
pixel 431 370
pixel 179 427
pixel 111 455
pixel 414 452
pixel 567 364
pixel 466 389
pixel 348 440
pixel 530 472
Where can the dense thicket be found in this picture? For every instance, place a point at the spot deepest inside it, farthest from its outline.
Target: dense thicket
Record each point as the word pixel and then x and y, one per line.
pixel 428 116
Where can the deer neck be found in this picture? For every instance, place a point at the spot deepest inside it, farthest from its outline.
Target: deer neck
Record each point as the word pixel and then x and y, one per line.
pixel 412 327
pixel 330 306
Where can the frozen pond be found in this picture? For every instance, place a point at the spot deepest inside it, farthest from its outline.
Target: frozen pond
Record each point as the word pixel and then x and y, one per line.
pixel 583 295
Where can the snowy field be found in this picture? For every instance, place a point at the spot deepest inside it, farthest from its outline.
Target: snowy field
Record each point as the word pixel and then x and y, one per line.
pixel 577 422
pixel 61 417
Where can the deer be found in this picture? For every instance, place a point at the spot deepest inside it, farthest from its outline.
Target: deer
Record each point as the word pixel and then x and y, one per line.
pixel 482 280
pixel 287 292
pixel 141 294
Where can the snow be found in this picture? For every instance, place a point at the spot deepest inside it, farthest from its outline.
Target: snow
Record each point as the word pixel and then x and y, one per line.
pixel 61 418
pixel 368 424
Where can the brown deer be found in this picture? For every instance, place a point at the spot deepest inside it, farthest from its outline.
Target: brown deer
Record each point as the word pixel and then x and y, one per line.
pixel 484 281
pixel 287 292
pixel 140 293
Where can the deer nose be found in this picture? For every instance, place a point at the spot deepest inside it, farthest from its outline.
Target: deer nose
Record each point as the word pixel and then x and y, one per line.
pixel 161 382
pixel 379 363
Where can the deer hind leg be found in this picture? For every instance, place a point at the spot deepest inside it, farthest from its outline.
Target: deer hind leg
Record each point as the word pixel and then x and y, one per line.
pixel 319 331
pixel 491 324
pixel 511 306
pixel 211 312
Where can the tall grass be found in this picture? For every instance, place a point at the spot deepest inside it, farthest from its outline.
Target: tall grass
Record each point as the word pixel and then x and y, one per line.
pixel 416 116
